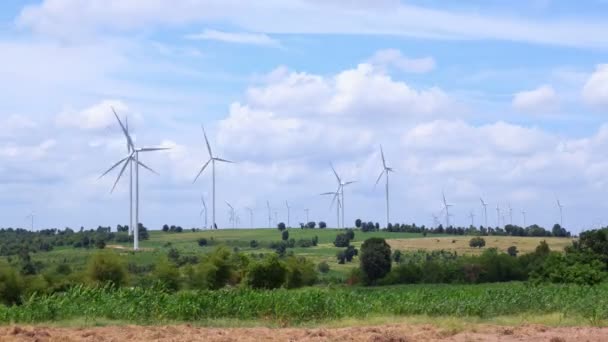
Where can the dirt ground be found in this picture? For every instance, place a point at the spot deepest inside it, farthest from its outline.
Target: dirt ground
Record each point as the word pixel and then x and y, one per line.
pixel 382 333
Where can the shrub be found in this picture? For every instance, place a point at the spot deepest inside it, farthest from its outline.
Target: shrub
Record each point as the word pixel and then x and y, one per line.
pixel 281 226
pixel 285 235
pixel 269 273
pixel 202 242
pixel 106 267
pixel 322 225
pixel 342 240
pixel 397 256
pixel 300 272
pixel 350 234
pixel 214 271
pixel 254 244
pixel 512 251
pixel 375 259
pixel 323 267
pixel 167 274
pixel 11 285
pixel 477 242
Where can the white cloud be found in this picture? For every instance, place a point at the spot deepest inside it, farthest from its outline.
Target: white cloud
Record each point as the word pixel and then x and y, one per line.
pixel 235 37
pixel 67 18
pixel 393 58
pixel 595 91
pixel 540 100
pixel 98 116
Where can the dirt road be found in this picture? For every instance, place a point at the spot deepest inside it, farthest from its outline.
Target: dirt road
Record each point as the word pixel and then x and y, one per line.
pixel 382 333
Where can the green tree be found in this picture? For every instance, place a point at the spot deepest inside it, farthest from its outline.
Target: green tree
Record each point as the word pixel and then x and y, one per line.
pixel 375 259
pixel 281 226
pixel 477 242
pixel 358 223
pixel 11 285
pixel 269 273
pixel 512 251
pixel 107 267
pixel 167 274
pixel 285 235
pixel 341 240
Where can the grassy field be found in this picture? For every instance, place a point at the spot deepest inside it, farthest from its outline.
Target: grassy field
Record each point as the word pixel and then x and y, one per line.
pixel 309 305
pixel 460 244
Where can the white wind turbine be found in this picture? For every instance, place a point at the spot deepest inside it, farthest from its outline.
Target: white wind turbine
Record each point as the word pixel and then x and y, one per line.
pixel 561 217
pixel 269 214
pixel 485 211
pixel 250 217
pixel 472 216
pixel 132 157
pixel 523 214
pixel 212 160
pixel 510 214
pixel 385 171
pixel 340 191
pixel 231 215
pixel 497 215
pixel 288 213
pixel 31 218
pixel 204 209
pixel 307 211
pixel 446 207
pixel 338 206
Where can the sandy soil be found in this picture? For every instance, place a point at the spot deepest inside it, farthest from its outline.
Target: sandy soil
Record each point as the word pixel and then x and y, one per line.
pixel 383 333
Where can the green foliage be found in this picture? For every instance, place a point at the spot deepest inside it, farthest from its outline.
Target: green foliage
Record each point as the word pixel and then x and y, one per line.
pixel 281 226
pixel 107 267
pixel 202 242
pixel 342 240
pixel 512 251
pixel 375 259
pixel 300 272
pixel 323 267
pixel 285 235
pixel 269 273
pixel 322 225
pixel 358 223
pixel 397 256
pixel 167 274
pixel 11 285
pixel 478 242
pixel 560 268
pixel 254 244
pixel 214 271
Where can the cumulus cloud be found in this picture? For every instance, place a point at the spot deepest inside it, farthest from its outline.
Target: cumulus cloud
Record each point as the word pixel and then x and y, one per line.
pixel 394 59
pixel 98 116
pixel 540 100
pixel 235 37
pixel 595 91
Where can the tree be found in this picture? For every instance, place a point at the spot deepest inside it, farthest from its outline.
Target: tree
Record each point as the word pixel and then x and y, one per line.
pixel 477 242
pixel 270 273
pixel 202 242
pixel 358 223
pixel 165 228
pixel 322 225
pixel 323 267
pixel 377 226
pixel 100 244
pixel 350 234
pixel 342 240
pixel 106 267
pixel 512 251
pixel 253 244
pixel 167 274
pixel 285 235
pixel 281 226
pixel 311 224
pixel 350 253
pixel 397 256
pixel 375 259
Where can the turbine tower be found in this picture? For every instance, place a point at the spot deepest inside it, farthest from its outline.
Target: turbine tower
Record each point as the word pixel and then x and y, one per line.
pixel 269 214
pixel 523 214
pixel 561 217
pixel 510 214
pixel 204 209
pixel 446 207
pixel 307 211
pixel 340 191
pixel 288 213
pixel 338 206
pixel 132 157
pixel 485 211
pixel 385 171
pixel 231 215
pixel 472 216
pixel 212 159
pixel 250 216
pixel 31 218
pixel 497 215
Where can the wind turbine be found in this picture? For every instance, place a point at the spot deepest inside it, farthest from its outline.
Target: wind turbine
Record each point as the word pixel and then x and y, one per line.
pixel 232 215
pixel 212 159
pixel 31 217
pixel 385 171
pixel 497 215
pixel 436 222
pixel 307 211
pixel 132 157
pixel 472 216
pixel 288 213
pixel 269 214
pixel 338 206
pixel 250 216
pixel 485 211
pixel 523 213
pixel 510 214
pixel 561 217
pixel 340 191
pixel 446 206
pixel 204 209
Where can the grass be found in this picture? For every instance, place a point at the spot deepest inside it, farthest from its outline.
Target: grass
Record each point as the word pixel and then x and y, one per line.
pixel 460 244
pixel 569 303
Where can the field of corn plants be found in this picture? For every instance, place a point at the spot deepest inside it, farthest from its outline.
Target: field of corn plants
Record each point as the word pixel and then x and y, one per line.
pixel 149 306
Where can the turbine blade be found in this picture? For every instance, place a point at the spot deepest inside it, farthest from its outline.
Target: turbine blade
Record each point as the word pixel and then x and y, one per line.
pixel 207 142
pixel 328 193
pixel 124 130
pixel 124 167
pixel 152 149
pixel 114 166
pixel 335 173
pixel 147 168
pixel 348 183
pixel 334 199
pixel 378 180
pixel 382 154
pixel 224 160
pixel 202 169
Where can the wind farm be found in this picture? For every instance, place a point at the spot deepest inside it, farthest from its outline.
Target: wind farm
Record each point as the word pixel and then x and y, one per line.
pixel 302 170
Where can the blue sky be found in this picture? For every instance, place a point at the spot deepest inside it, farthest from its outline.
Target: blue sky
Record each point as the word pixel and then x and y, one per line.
pixel 501 100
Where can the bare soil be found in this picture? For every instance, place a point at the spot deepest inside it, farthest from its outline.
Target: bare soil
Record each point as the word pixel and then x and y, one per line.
pixel 381 333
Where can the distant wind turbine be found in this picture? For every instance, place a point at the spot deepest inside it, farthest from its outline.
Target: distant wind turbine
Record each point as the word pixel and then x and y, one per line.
pixel 561 217
pixel 269 214
pixel 472 216
pixel 307 211
pixel 510 214
pixel 385 171
pixel 485 211
pixel 338 205
pixel 446 207
pixel 288 213
pixel 497 215
pixel 212 159
pixel 132 157
pixel 340 191
pixel 232 215
pixel 523 214
pixel 250 216
pixel 31 218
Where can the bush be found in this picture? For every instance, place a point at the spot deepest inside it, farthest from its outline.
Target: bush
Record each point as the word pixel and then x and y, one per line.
pixel 215 270
pixel 254 244
pixel 11 285
pixel 202 242
pixel 285 235
pixel 477 242
pixel 397 256
pixel 342 240
pixel 106 267
pixel 270 273
pixel 300 272
pixel 323 267
pixel 322 225
pixel 375 259
pixel 512 251
pixel 350 234
pixel 167 274
pixel 281 226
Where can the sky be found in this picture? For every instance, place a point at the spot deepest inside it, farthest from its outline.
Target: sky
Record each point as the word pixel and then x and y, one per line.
pixel 504 101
